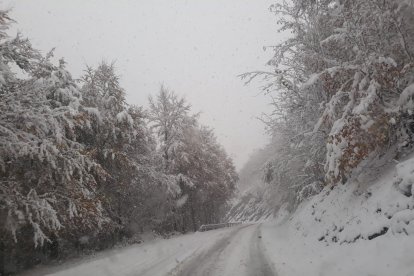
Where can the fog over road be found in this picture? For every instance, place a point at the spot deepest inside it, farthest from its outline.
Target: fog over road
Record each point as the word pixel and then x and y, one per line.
pixel 237 250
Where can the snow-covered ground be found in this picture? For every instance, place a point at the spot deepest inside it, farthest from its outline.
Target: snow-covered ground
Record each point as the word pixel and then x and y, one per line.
pixel 229 251
pixel 364 227
pixel 292 254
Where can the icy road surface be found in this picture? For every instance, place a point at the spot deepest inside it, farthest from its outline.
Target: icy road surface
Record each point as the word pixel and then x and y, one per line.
pixel 231 251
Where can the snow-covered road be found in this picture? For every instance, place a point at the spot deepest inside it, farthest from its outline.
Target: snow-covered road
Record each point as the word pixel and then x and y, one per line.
pixel 239 252
pixel 230 251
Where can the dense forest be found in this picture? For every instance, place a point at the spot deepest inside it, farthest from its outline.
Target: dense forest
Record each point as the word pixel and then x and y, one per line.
pixel 82 170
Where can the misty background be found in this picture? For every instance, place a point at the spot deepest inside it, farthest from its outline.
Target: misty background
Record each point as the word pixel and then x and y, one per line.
pixel 175 43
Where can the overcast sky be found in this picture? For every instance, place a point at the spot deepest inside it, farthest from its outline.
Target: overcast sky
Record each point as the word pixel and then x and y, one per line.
pixel 195 47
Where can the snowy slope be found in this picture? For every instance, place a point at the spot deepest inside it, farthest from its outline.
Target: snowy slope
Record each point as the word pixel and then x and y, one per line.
pixel 364 227
pixel 250 206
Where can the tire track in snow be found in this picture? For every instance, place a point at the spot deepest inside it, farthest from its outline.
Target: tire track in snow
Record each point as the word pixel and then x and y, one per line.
pixel 239 253
pixel 205 262
pixel 258 263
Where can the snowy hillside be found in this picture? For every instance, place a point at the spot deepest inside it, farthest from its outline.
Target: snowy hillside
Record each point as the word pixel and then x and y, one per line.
pixel 252 203
pixel 362 228
pixel 250 207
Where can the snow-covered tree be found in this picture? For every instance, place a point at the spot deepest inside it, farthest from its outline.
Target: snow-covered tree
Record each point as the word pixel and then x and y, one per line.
pixel 47 183
pixel 169 116
pixel 208 176
pixel 122 144
pixel 80 168
pixel 204 175
pixel 341 86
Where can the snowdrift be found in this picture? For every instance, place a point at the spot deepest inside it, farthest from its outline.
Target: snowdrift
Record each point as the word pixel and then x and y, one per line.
pixel 363 227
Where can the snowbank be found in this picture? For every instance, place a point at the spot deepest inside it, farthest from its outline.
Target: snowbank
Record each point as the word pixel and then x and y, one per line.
pixel 364 227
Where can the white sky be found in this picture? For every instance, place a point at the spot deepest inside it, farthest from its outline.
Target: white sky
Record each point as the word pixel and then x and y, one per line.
pixel 195 47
